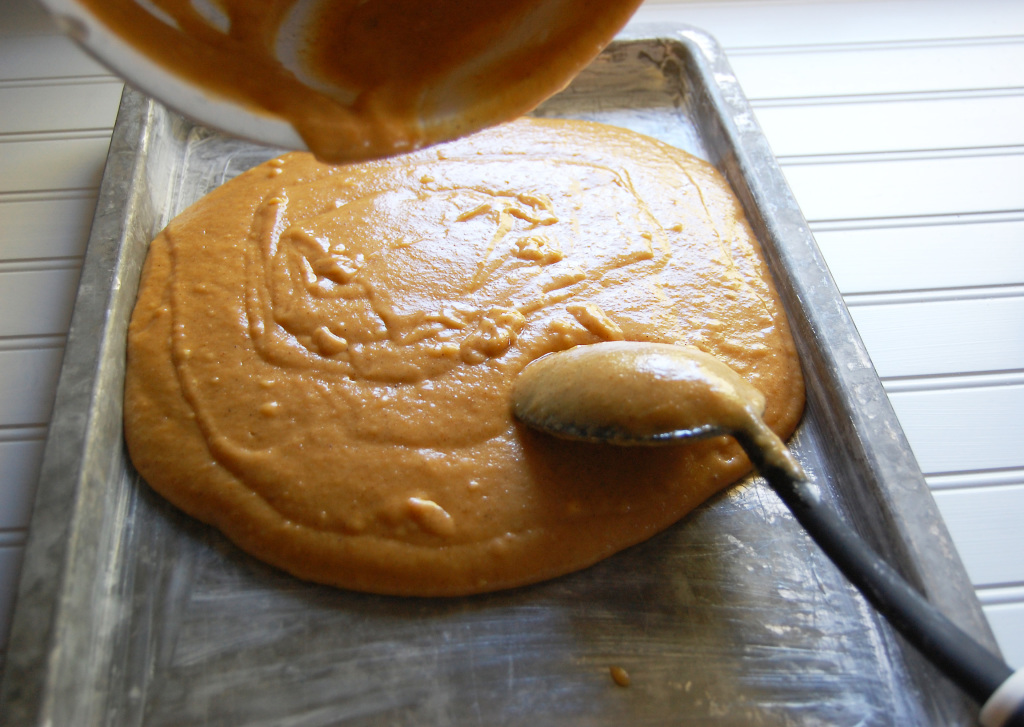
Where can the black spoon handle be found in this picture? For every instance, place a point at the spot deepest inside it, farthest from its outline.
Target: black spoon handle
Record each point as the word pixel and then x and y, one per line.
pixel 971 666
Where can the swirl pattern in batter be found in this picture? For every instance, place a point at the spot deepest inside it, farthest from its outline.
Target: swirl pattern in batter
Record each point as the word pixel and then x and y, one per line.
pixel 321 357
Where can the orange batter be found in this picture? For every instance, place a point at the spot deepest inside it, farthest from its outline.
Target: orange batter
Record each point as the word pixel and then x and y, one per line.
pixel 358 79
pixel 321 358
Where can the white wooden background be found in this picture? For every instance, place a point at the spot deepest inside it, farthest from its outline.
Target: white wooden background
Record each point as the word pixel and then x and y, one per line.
pixel 899 124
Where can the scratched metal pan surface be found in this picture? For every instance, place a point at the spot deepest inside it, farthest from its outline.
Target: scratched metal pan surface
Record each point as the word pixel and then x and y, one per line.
pixel 130 613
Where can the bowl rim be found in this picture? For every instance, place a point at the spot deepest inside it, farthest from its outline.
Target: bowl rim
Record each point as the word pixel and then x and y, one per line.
pixel 165 86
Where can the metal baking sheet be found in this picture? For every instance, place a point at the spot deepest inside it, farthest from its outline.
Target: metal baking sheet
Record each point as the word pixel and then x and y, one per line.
pixel 130 613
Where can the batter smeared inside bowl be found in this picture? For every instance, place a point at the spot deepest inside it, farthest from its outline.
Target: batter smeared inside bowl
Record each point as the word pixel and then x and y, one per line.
pixel 321 358
pixel 358 79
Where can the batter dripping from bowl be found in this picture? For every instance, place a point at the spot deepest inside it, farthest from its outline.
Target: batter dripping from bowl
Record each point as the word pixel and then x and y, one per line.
pixel 355 79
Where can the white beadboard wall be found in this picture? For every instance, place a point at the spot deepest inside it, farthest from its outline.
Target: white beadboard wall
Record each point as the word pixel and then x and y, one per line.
pixel 899 124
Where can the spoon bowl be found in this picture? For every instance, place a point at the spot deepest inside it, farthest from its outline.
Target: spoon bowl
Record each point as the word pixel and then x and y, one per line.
pixel 632 394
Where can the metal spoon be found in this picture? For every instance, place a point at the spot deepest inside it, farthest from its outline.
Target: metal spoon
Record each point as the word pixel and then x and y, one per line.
pixel 649 394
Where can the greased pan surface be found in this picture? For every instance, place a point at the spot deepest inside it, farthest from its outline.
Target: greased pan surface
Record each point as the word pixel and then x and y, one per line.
pixel 130 613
